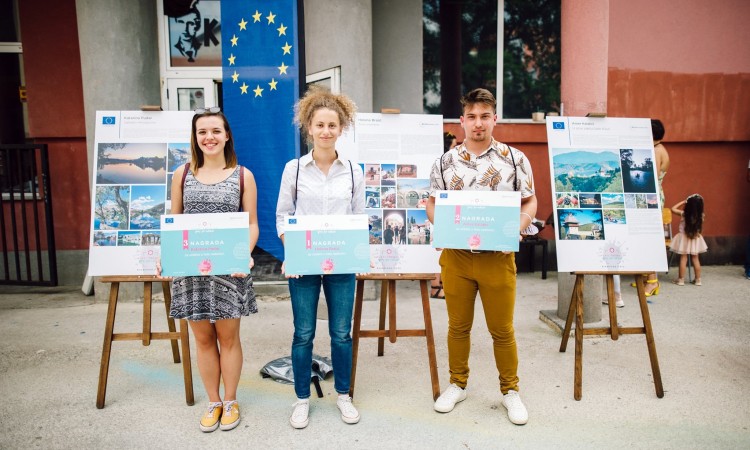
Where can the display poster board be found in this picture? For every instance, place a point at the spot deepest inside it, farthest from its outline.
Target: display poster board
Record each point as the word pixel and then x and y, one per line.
pixel 605 191
pixel 205 244
pixel 477 220
pixel 135 154
pixel 324 245
pixel 396 152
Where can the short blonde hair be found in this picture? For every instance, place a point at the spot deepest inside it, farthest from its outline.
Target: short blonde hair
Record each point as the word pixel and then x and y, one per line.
pixel 316 98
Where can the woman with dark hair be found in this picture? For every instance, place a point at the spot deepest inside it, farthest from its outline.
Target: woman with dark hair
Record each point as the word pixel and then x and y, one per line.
pixel 213 182
pixel 662 165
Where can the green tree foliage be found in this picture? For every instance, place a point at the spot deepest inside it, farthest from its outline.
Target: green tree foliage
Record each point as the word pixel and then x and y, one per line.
pixel 531 79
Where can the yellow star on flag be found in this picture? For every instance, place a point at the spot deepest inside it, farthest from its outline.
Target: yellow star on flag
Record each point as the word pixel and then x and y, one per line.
pixel 287 49
pixel 282 68
pixel 244 87
pixel 231 59
pixel 270 17
pixel 258 91
pixel 256 16
pixel 282 30
pixel 242 24
pixel 234 40
pixel 273 84
pixel 235 77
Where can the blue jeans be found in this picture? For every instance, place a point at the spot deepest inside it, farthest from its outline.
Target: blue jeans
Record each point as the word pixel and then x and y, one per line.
pixel 339 293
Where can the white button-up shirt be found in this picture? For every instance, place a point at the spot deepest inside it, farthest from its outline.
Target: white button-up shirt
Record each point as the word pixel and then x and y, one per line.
pixel 315 193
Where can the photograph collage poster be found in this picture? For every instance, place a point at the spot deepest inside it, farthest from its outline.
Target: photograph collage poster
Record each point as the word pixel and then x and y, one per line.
pixel 396 153
pixel 605 192
pixel 136 153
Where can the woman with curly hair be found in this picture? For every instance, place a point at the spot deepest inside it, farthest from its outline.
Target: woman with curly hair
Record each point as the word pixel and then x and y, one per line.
pixel 321 182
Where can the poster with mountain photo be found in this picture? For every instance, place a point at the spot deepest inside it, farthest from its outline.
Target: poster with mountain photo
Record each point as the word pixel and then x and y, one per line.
pixel 605 190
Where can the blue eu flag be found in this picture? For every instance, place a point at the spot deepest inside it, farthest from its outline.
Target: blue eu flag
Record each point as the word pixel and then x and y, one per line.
pixel 261 72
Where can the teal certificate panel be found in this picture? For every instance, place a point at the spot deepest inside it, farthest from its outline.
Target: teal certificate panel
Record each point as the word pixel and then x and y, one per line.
pixel 477 220
pixel 323 245
pixel 205 244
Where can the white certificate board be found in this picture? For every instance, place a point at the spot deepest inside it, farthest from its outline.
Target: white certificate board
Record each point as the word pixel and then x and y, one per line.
pixel 205 244
pixel 324 245
pixel 605 191
pixel 477 220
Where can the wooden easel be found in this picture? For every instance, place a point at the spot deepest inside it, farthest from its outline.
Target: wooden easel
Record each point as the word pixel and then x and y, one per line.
pixel 146 335
pixel 388 295
pixel 614 330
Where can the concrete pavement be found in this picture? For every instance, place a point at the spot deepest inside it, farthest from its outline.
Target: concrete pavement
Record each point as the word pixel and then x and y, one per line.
pixel 51 348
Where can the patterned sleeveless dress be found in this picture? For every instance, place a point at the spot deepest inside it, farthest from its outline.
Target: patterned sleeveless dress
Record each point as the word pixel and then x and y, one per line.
pixel 212 297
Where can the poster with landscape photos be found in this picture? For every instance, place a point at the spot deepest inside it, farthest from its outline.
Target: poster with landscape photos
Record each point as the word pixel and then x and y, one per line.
pixel 605 191
pixel 396 153
pixel 135 155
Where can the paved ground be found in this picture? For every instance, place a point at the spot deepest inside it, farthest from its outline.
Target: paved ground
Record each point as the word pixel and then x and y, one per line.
pixel 51 348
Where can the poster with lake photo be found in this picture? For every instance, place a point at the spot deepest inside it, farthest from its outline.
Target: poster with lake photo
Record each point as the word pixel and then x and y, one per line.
pixel 607 215
pixel 136 155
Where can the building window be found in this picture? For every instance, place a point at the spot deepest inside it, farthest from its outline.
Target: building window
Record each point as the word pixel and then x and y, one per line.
pixel 461 46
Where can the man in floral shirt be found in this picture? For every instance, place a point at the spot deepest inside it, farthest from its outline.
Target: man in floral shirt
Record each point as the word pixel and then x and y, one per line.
pixel 482 163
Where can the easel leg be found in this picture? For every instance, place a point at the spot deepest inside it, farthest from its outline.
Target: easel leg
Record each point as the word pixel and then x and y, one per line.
pixel 569 320
pixel 614 330
pixel 430 340
pixel 146 313
pixel 355 332
pixel 114 289
pixel 392 311
pixel 165 287
pixel 187 370
pixel 578 372
pixel 649 336
pixel 381 320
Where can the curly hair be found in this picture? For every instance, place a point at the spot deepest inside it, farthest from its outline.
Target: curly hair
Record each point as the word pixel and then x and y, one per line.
pixel 693 216
pixel 316 98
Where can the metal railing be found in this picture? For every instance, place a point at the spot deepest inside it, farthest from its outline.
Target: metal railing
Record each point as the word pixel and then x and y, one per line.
pixel 26 217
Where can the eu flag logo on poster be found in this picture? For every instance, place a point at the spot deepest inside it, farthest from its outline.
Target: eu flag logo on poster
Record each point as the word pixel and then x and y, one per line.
pixel 558 125
pixel 108 120
pixel 443 195
pixel 261 73
pixel 292 221
pixel 169 219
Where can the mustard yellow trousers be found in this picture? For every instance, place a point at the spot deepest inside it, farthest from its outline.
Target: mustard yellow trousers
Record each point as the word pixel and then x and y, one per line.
pixel 493 275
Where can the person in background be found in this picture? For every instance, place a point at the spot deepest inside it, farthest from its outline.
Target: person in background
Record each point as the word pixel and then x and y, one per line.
pixel 321 183
pixel 662 165
pixel 449 141
pixel 482 163
pixel 689 240
pixel 213 304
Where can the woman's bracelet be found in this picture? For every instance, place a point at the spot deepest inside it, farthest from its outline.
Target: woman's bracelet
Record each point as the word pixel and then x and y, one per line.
pixel 530 218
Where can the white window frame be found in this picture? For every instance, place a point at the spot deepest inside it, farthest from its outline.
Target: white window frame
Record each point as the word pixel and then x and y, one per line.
pixel 334 74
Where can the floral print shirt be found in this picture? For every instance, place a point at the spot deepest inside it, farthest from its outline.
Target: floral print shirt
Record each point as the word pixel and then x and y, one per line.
pixel 493 170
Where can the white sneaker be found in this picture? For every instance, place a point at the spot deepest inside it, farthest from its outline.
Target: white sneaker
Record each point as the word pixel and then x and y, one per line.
pixel 618 301
pixel 349 413
pixel 516 410
pixel 448 399
pixel 299 418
